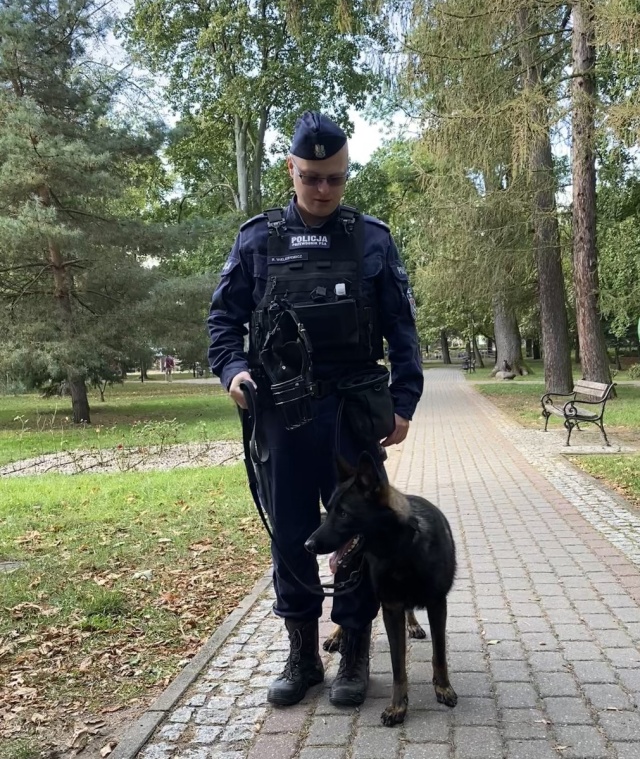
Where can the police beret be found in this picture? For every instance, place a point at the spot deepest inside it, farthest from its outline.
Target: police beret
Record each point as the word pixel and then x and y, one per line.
pixel 316 137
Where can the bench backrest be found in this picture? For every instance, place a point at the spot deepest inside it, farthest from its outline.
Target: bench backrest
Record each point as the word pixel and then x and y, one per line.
pixel 596 391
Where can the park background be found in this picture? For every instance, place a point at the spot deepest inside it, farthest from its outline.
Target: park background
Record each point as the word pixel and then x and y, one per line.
pixel 134 139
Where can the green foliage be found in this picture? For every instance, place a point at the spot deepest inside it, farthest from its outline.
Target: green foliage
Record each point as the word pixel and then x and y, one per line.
pixel 634 371
pixel 249 67
pixel 71 245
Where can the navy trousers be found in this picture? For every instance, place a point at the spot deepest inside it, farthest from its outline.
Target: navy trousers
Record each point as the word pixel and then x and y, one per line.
pixel 302 472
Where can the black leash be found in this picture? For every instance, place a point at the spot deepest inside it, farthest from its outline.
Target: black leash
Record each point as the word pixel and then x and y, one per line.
pixel 256 455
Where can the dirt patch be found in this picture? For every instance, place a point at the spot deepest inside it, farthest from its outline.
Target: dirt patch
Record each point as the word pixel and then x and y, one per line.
pixel 218 453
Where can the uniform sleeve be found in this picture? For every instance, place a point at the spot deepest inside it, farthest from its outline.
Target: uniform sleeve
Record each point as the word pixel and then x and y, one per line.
pixel 399 329
pixel 231 308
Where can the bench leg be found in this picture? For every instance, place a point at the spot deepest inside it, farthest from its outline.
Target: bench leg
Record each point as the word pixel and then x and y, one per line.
pixel 569 426
pixel 604 434
pixel 546 416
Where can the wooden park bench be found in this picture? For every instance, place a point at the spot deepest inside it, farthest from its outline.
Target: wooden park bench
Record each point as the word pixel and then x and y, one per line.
pixel 586 404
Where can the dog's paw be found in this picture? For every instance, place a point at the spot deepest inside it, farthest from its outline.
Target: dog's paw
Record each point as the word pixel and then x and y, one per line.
pixel 393 715
pixel 446 695
pixel 332 643
pixel 415 631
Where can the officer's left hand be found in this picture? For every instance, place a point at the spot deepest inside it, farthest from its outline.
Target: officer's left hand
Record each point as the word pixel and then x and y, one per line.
pixel 399 434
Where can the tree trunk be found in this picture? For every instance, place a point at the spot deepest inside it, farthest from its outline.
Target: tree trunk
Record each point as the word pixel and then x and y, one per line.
pixel 256 184
pixel 554 322
pixel 62 293
pixel 240 133
pixel 444 344
pixel 576 347
pixel 536 351
pixel 508 340
pixel 595 362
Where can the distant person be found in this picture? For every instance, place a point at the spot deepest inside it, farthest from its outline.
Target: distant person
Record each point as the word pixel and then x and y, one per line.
pixel 168 368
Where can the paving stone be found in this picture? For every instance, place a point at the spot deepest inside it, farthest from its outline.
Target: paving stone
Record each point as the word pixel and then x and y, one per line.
pixel 530 749
pixel 620 726
pixel 206 734
pixel 582 741
pixel 594 672
pixel 157 751
pixel 427 725
pixel 172 731
pixel 237 732
pixel 472 684
pixel 581 651
pixel 524 724
pixel 322 753
pixel 627 750
pixel 329 730
pixel 516 695
pixel 426 751
pixel 477 742
pixel 510 671
pixel 182 714
pixel 475 711
pixel 289 720
pixel 273 747
pixel 193 753
pixel 567 711
pixel 376 743
pixel 556 684
pixel 605 696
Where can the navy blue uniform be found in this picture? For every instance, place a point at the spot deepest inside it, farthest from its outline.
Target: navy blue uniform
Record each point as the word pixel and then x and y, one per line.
pixel 302 461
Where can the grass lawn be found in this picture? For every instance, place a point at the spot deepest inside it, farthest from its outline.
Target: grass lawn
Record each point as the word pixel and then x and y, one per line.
pixel 133 414
pixel 621 472
pixel 124 577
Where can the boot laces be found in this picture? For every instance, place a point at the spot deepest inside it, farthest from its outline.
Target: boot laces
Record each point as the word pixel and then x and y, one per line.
pixel 352 654
pixel 293 661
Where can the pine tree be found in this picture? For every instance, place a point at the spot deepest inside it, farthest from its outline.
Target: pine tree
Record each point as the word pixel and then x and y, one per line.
pixel 70 259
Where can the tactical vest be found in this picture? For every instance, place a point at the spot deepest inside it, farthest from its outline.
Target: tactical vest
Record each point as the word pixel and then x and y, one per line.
pixel 319 275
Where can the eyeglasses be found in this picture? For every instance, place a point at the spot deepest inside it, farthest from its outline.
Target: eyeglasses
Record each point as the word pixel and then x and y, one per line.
pixel 313 180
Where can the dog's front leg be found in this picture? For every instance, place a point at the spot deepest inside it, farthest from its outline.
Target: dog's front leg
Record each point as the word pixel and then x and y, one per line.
pixel 332 641
pixel 437 611
pixel 393 616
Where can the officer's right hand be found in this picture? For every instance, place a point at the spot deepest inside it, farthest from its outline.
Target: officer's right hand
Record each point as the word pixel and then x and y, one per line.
pixel 234 388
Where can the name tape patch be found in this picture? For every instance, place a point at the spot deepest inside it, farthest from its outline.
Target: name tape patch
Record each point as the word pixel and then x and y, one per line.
pixel 309 241
pixel 287 258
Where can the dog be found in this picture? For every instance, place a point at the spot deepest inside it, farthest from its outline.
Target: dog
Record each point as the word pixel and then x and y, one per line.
pixel 414 629
pixel 410 552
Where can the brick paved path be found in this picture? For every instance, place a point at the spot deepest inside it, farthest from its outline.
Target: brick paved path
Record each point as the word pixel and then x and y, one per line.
pixel 544 621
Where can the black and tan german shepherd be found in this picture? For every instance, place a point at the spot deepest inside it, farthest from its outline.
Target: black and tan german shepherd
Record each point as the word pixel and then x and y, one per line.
pixel 410 552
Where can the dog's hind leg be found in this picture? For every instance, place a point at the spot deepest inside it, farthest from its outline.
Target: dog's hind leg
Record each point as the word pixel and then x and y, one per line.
pixel 332 641
pixel 394 621
pixel 437 611
pixel 413 626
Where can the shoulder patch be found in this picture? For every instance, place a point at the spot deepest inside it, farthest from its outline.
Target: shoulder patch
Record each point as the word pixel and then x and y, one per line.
pixel 250 222
pixel 377 222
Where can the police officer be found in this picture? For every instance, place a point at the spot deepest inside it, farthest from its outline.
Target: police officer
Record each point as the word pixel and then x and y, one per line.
pixel 342 272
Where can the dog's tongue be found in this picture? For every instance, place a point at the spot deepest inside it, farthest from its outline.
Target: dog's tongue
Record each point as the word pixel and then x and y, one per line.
pixel 337 555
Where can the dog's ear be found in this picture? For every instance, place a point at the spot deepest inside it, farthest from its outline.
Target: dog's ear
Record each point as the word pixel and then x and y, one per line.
pixel 368 474
pixel 345 470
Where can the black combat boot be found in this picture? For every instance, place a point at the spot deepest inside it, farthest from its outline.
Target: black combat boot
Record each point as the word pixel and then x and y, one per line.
pixel 304 666
pixel 350 686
